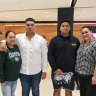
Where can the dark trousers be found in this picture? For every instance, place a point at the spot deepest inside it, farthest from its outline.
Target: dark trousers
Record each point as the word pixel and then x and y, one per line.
pixel 77 80
pixel 86 87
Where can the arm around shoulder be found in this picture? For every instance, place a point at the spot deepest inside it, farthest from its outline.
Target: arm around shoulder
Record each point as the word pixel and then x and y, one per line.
pixel 3 46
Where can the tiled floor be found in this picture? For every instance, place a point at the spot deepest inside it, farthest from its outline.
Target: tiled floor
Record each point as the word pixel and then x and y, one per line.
pixel 46 88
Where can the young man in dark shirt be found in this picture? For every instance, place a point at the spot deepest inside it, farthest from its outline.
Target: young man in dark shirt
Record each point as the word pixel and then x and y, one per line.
pixel 62 56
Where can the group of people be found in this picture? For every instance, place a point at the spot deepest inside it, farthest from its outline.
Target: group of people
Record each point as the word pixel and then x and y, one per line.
pixel 26 56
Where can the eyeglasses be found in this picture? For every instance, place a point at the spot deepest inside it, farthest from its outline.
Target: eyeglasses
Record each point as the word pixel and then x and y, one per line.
pixel 86 32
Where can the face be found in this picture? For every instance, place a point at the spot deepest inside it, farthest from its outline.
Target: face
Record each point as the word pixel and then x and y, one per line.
pixel 11 39
pixel 65 28
pixel 86 34
pixel 30 27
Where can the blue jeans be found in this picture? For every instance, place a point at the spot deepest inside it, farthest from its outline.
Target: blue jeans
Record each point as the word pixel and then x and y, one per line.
pixel 9 89
pixel 28 82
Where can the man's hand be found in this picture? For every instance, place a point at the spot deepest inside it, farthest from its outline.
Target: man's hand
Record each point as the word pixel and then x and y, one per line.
pixel 3 84
pixel 58 71
pixel 43 75
pixel 3 47
pixel 93 80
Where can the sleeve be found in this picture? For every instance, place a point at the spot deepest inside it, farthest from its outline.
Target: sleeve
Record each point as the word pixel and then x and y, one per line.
pixel 51 55
pixel 3 41
pixel 94 54
pixel 78 44
pixel 44 61
pixel 17 39
pixel 2 59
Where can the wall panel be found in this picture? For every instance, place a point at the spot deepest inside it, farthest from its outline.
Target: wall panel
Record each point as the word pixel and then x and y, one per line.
pixel 48 30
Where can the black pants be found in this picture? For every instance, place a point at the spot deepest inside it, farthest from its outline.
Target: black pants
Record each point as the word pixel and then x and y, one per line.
pixel 77 80
pixel 86 87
